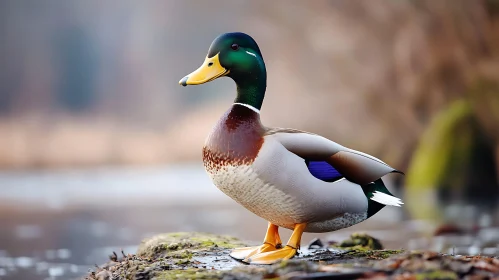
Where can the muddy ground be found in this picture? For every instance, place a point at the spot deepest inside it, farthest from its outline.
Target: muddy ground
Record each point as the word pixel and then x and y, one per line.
pixel 206 256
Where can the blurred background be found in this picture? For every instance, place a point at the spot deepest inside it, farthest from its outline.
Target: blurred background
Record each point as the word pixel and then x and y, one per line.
pixel 100 147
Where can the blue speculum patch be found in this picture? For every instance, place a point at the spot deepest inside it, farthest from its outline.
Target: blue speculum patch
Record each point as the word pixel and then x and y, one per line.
pixel 323 171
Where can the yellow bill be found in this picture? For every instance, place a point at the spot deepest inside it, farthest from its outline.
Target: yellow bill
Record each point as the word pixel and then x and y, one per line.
pixel 208 71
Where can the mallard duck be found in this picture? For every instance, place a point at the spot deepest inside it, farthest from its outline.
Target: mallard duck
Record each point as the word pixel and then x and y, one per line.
pixel 291 178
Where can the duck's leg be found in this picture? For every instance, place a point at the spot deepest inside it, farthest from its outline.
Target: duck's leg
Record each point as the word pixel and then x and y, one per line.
pixel 271 242
pixel 282 254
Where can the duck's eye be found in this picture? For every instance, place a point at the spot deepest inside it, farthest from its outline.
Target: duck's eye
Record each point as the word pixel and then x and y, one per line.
pixel 234 47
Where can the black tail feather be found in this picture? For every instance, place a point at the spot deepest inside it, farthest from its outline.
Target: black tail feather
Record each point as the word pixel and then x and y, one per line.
pixel 373 207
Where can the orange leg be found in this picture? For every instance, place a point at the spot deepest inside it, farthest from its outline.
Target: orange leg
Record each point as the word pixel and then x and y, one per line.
pixel 282 254
pixel 271 242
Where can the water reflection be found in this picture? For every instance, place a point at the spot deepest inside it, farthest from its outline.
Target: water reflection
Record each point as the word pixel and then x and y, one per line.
pixel 58 225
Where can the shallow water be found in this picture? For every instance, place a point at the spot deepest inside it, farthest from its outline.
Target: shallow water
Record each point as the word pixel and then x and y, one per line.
pixel 58 224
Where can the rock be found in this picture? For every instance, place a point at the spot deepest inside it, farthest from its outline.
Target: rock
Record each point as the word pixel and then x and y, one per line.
pixel 183 244
pixel 103 275
pixel 361 241
pixel 455 162
pixel 206 256
pixel 315 244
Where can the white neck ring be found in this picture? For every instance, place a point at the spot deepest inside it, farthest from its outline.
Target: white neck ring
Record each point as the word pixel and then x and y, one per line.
pixel 249 107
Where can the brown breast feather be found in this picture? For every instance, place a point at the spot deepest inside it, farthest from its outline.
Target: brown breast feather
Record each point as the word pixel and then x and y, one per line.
pixel 235 140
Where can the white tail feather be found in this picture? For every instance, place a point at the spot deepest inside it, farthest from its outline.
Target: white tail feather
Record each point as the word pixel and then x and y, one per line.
pixel 386 199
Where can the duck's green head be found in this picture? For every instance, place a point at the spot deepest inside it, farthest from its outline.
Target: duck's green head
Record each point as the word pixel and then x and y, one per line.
pixel 235 55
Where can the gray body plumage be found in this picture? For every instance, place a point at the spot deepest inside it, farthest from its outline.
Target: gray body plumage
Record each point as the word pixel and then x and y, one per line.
pixel 278 186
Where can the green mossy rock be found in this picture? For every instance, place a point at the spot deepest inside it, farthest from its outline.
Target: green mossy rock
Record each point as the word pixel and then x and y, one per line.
pixel 361 241
pixel 453 162
pixel 205 256
pixel 183 245
pixel 364 246
pixel 443 147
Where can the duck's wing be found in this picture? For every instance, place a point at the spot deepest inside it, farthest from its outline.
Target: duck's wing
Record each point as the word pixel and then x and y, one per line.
pixel 355 166
pixel 323 170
